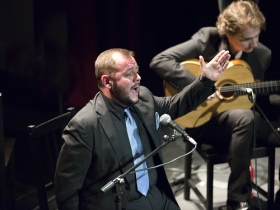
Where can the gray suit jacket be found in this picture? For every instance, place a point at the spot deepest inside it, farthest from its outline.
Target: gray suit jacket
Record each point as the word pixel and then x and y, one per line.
pixel 93 153
pixel 208 43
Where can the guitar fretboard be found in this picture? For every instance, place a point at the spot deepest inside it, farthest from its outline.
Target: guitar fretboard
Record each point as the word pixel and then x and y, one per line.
pixel 257 87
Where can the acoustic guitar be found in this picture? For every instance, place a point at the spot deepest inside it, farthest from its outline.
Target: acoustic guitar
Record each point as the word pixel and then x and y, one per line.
pixel 237 75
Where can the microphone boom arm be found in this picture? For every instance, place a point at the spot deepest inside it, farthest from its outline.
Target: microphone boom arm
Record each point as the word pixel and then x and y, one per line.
pixel 120 180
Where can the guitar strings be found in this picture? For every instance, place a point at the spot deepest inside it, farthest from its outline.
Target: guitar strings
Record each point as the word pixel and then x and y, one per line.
pixel 270 85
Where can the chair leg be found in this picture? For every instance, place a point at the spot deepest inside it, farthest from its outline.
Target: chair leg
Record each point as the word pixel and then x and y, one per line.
pixel 188 166
pixel 42 195
pixel 13 180
pixel 270 187
pixel 209 185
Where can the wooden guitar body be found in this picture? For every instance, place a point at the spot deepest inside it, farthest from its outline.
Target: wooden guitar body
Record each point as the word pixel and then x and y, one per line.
pixel 237 72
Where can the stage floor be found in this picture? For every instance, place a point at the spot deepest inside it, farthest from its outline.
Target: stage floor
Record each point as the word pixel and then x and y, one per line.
pixel 27 200
pixel 175 170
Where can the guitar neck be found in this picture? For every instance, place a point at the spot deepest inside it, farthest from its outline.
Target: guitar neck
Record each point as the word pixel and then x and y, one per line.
pixel 257 87
pixel 237 76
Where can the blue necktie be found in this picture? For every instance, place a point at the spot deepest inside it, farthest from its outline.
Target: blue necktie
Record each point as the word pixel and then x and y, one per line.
pixel 142 177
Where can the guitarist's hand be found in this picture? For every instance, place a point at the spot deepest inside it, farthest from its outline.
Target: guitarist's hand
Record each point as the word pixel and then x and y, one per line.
pixel 215 68
pixel 217 94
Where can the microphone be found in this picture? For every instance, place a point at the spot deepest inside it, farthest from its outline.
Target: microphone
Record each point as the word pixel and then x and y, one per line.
pixel 249 92
pixel 165 119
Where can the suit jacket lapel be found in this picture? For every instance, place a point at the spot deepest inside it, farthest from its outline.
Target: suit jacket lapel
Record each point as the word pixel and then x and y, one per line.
pixel 147 116
pixel 121 150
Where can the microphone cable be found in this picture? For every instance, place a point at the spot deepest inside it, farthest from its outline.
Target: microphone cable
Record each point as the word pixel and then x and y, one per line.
pixel 166 163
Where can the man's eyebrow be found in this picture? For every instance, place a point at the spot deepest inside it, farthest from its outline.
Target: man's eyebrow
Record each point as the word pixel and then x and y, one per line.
pixel 133 67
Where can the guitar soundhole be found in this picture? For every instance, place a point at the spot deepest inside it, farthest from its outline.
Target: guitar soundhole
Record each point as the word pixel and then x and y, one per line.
pixel 227 91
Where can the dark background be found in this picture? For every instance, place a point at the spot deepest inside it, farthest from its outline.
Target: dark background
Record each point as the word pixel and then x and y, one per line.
pixel 48 49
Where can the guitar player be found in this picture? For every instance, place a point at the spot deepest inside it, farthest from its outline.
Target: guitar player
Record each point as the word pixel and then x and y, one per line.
pixel 237 29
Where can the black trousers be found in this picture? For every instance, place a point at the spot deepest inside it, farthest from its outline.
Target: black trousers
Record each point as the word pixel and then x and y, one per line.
pixel 155 200
pixel 277 201
pixel 232 130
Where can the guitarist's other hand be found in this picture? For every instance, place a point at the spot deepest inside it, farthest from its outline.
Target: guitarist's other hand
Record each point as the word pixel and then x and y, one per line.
pixel 217 94
pixel 215 68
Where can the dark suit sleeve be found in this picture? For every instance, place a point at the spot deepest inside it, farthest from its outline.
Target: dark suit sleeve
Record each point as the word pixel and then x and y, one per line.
pixel 167 63
pixel 72 165
pixel 186 100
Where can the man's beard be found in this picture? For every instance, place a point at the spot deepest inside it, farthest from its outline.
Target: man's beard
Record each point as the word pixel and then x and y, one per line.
pixel 118 93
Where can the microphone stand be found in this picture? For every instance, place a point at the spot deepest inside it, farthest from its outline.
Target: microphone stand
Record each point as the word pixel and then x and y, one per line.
pixel 253 100
pixel 119 181
pixel 276 132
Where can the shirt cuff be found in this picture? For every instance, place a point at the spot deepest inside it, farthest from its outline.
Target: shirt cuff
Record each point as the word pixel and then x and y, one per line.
pixel 207 83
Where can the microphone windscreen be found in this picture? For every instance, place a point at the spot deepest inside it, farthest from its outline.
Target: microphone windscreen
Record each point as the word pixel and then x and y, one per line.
pixel 165 119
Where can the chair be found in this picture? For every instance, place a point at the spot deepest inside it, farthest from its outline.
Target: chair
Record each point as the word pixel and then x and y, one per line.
pixel 212 157
pixel 7 167
pixel 46 141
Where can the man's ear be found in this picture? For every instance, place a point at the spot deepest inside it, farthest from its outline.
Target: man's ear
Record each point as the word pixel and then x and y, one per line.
pixel 106 81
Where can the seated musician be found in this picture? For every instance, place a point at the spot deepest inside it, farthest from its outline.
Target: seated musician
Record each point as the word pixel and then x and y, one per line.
pixel 237 29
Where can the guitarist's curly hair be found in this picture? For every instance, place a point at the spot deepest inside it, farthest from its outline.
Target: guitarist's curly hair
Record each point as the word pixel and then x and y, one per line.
pixel 239 13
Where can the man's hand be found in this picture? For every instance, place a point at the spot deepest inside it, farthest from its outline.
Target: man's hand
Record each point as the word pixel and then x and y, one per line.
pixel 215 68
